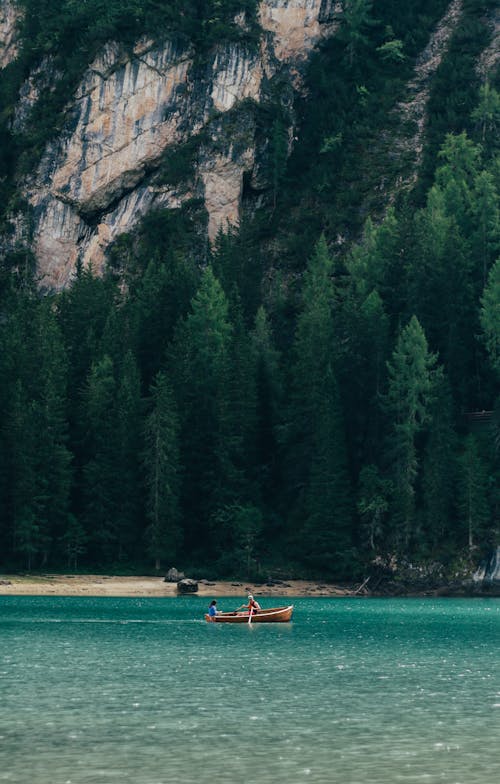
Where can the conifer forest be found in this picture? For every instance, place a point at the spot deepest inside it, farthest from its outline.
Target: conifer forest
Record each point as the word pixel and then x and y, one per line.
pixel 314 390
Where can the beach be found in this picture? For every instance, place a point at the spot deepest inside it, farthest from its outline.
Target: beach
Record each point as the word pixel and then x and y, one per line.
pixel 111 585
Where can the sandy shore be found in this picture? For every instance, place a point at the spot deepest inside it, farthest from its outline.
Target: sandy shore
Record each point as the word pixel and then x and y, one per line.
pixel 104 585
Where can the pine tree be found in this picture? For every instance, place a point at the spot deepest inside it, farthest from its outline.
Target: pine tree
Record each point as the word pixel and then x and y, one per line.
pixel 240 415
pixel 269 402
pixel 412 379
pixel 354 19
pixel 20 440
pixel 53 459
pixel 473 494
pixel 439 471
pixel 162 474
pixel 374 493
pixel 83 311
pixel 37 461
pixel 279 143
pixel 362 373
pixel 318 462
pixel 100 508
pixel 485 239
pixel 127 483
pixel 73 541
pixel 455 176
pixel 442 291
pixel 199 361
pixel 157 300
pixel 487 115
pixel 490 316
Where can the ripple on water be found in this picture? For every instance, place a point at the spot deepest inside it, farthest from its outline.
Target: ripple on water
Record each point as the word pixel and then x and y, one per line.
pixel 353 692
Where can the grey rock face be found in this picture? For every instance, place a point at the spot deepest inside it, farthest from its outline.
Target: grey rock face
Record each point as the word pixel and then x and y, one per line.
pixel 98 178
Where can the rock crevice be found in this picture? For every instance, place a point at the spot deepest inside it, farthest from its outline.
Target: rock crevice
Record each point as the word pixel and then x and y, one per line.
pixel 98 178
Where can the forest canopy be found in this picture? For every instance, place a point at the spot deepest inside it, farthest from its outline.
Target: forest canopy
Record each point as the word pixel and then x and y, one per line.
pixel 282 402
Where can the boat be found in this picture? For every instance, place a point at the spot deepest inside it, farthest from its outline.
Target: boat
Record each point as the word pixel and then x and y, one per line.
pixel 267 615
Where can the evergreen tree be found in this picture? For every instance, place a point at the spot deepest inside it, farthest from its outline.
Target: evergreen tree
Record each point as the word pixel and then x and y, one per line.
pixel 162 474
pixel 485 240
pixel 455 176
pixel 473 494
pixel 355 17
pixel 20 439
pixel 37 461
pixel 157 300
pixel 268 414
pixel 200 370
pixel 127 483
pixel 236 260
pixel 83 311
pixel 374 493
pixel 439 472
pixel 53 459
pixel 365 338
pixel 279 143
pixel 240 419
pixel 102 449
pixel 442 291
pixel 490 316
pixel 317 440
pixel 412 379
pixel 73 541
pixel 487 115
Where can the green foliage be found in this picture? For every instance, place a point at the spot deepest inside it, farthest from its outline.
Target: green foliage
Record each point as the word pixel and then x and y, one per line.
pixel 218 405
pixel 439 478
pixel 455 85
pixel 486 115
pixel 316 441
pixel 374 493
pixel 412 377
pixel 490 316
pixel 355 17
pixel 162 473
pixel 392 51
pixel 199 362
pixel 473 493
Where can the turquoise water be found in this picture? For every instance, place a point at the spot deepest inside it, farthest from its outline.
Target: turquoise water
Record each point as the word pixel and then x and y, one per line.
pixel 143 691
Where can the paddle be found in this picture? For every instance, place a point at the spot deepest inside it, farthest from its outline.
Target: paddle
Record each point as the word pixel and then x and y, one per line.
pixel 250 615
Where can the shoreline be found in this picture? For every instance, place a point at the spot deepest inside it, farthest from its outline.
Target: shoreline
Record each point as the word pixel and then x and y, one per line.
pixel 147 586
pixel 107 585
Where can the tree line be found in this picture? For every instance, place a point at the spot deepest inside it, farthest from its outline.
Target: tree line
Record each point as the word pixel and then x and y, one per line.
pixel 223 416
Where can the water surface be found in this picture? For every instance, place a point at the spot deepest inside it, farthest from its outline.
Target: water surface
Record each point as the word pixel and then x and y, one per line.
pixel 354 691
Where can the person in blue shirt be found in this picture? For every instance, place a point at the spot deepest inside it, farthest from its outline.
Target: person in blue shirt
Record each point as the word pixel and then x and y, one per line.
pixel 212 610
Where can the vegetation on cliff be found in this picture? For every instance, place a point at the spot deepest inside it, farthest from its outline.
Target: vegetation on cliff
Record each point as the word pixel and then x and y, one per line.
pixel 319 390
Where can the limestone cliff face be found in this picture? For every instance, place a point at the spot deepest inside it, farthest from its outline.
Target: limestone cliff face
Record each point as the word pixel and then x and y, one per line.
pixel 102 174
pixel 297 25
pixel 491 55
pixel 9 16
pixel 133 109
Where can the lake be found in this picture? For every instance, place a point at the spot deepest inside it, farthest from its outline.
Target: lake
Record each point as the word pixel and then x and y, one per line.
pixel 354 691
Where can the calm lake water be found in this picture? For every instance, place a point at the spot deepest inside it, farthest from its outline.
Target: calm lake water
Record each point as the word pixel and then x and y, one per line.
pixel 354 691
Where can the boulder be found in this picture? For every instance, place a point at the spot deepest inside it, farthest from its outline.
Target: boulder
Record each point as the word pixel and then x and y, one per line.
pixel 173 576
pixel 187 586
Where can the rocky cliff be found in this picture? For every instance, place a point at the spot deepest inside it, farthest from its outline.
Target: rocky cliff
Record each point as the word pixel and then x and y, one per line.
pixel 105 170
pixel 136 108
pixel 9 16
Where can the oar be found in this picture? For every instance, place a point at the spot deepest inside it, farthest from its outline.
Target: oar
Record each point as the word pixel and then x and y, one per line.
pixel 250 615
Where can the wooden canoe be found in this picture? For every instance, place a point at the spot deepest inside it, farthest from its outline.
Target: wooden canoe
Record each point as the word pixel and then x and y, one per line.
pixel 267 615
